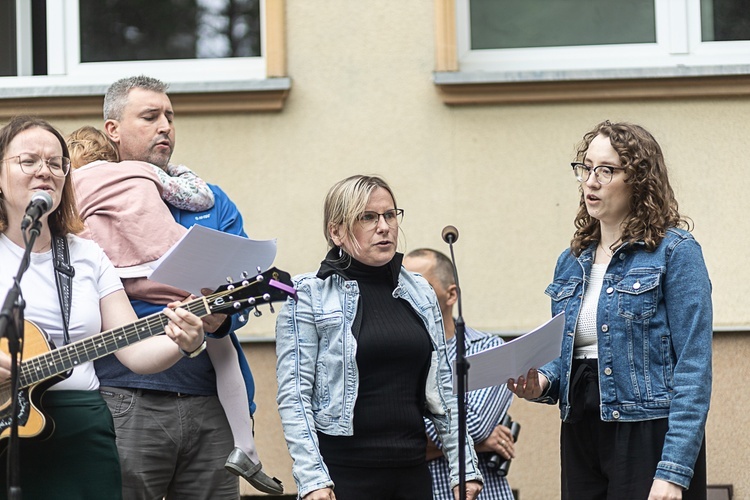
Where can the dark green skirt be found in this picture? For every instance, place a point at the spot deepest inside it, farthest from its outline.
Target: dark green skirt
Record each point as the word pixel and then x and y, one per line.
pixel 79 461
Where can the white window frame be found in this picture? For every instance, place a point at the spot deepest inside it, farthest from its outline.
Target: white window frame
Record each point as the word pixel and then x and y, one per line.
pixel 65 68
pixel 678 51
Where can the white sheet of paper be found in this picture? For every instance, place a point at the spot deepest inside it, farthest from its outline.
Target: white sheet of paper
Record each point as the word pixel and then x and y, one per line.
pixel 513 358
pixel 205 258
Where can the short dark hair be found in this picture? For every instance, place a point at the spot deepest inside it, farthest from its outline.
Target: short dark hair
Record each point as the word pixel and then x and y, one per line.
pixel 443 265
pixel 116 97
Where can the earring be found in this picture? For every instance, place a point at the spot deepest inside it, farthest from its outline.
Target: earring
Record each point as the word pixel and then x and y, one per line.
pixel 341 253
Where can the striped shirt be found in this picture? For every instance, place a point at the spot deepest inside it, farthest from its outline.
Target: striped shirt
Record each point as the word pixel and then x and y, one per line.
pixel 484 410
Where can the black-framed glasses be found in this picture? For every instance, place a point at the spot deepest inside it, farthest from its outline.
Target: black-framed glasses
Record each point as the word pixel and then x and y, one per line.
pixel 31 163
pixel 393 217
pixel 603 173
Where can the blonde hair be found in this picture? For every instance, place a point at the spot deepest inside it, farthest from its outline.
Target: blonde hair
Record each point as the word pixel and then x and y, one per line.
pixel 346 201
pixel 88 144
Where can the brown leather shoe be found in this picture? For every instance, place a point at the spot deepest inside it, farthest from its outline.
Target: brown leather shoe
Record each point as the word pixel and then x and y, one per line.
pixel 240 464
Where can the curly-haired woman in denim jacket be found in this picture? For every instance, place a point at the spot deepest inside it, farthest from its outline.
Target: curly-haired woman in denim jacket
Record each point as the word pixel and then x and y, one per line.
pixel 634 377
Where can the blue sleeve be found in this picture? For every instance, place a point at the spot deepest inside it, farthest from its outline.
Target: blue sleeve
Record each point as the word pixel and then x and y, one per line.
pixel 223 216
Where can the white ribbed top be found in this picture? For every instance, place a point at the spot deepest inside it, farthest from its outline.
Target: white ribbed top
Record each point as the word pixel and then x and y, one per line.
pixel 585 342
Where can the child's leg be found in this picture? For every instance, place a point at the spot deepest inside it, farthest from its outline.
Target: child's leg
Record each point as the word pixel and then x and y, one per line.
pixel 232 393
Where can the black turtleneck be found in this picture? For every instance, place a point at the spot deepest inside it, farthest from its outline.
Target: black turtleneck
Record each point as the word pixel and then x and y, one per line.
pixel 393 358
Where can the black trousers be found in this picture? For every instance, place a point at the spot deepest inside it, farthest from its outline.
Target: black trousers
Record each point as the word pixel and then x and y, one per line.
pixel 381 483
pixel 614 460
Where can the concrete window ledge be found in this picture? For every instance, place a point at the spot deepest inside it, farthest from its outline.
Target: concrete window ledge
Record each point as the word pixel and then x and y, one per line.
pixel 455 88
pixel 187 98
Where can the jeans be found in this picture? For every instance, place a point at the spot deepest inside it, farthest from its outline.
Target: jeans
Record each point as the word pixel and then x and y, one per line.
pixel 171 446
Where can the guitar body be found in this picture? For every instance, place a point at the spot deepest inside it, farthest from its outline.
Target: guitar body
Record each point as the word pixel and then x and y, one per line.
pixel 32 422
pixel 42 365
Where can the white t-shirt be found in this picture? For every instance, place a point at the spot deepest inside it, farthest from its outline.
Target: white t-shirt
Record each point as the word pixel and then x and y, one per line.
pixel 585 345
pixel 94 279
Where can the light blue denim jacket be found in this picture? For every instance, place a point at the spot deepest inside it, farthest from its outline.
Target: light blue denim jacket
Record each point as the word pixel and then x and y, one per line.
pixel 654 323
pixel 317 374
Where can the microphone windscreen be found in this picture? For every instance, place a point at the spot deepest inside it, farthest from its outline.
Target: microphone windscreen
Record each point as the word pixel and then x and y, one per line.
pixel 450 234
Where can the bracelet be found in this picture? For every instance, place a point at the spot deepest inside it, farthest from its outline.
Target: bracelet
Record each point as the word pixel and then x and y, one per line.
pixel 196 352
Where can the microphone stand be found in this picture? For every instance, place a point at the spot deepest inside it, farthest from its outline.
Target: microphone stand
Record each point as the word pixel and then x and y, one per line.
pixel 11 327
pixel 462 369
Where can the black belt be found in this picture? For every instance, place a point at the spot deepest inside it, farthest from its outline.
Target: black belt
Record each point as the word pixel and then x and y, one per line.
pixel 154 392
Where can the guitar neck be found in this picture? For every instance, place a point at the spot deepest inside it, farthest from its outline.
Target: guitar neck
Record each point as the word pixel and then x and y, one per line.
pixel 69 356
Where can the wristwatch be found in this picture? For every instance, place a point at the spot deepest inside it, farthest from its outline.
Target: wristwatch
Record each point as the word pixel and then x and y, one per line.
pixel 196 352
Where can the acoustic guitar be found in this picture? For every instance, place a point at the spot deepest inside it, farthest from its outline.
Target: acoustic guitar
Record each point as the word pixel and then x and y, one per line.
pixel 44 365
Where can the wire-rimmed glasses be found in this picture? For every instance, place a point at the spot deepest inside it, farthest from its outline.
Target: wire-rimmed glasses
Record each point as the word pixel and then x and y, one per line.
pixel 603 173
pixel 393 217
pixel 31 163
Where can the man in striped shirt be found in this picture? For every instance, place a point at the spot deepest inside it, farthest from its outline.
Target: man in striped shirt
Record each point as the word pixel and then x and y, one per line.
pixel 485 407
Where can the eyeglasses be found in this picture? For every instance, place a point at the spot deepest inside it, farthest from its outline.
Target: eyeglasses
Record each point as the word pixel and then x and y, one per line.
pixel 31 163
pixel 603 173
pixel 369 220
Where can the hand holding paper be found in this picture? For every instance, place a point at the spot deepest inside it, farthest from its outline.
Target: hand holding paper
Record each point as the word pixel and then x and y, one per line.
pixel 515 358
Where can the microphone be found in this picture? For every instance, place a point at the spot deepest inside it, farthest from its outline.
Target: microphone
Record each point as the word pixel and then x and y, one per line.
pixel 40 204
pixel 450 234
pixel 498 463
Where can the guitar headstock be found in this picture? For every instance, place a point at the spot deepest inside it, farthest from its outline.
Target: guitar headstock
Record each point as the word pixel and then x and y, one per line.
pixel 268 287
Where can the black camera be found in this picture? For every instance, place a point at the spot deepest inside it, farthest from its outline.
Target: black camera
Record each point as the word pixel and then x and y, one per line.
pixel 500 464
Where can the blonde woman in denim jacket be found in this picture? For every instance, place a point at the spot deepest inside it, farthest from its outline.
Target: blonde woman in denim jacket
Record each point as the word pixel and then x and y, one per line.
pixel 634 377
pixel 361 359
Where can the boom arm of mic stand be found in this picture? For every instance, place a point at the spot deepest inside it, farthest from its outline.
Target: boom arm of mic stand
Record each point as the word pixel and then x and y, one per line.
pixel 462 373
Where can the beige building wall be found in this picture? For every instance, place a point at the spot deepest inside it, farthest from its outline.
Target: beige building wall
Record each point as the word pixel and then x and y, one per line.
pixel 362 101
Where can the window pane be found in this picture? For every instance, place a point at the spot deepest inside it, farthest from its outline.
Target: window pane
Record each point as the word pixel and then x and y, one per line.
pixel 147 30
pixel 509 24
pixel 7 39
pixel 725 20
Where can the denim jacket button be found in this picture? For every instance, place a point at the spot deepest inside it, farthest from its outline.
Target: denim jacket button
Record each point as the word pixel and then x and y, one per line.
pixel 610 290
pixel 605 328
pixel 615 414
pixel 608 371
pixel 636 285
pixel 622 256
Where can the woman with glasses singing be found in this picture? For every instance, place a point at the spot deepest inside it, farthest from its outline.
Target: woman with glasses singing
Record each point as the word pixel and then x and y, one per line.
pixel 79 459
pixel 634 378
pixel 361 359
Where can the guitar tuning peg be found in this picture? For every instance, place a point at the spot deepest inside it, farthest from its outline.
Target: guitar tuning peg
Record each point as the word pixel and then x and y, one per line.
pixel 258 269
pixel 257 313
pixel 229 279
pixel 270 306
pixel 230 287
pixel 242 318
pixel 244 275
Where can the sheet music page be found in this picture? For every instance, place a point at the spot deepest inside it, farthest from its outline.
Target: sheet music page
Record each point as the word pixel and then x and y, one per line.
pixel 205 258
pixel 515 357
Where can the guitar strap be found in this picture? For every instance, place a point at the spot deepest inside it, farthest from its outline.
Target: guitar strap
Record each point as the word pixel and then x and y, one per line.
pixel 64 273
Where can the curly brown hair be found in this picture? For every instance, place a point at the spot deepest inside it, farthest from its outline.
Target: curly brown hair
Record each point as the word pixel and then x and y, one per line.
pixel 653 207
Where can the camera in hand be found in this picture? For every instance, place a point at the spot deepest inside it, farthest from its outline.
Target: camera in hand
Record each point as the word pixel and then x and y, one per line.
pixel 498 463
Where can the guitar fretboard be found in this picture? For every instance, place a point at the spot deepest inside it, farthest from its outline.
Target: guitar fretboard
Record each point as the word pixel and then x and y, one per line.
pixel 69 356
